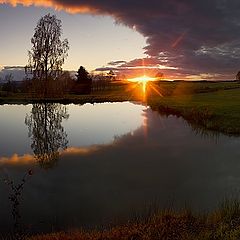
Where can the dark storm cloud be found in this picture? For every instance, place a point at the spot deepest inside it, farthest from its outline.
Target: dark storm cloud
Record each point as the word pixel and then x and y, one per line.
pixel 103 69
pixel 115 63
pixel 195 36
pixel 14 68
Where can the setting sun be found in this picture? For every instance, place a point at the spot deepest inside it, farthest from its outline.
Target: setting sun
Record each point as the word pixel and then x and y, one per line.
pixel 142 80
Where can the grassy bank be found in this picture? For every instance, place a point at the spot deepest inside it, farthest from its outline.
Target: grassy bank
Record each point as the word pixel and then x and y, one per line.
pixel 217 111
pixel 222 224
pixel 68 99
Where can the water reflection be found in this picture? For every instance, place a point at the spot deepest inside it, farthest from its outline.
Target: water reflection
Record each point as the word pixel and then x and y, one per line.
pixel 197 129
pixel 48 139
pixel 204 133
pixel 47 133
pixel 15 198
pixel 102 178
pixel 49 142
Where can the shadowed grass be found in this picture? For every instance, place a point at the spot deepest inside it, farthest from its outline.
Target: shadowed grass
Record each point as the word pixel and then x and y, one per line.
pixel 224 224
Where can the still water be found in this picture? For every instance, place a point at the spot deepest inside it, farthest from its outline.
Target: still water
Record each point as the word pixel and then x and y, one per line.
pixel 65 167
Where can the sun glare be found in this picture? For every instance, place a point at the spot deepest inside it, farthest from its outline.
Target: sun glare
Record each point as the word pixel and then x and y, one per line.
pixel 142 80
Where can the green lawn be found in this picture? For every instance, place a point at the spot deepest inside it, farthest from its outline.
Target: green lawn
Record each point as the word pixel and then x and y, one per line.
pixel 218 110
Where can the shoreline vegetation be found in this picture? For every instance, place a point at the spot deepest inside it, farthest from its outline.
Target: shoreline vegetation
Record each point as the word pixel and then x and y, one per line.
pixel 212 106
pixel 222 224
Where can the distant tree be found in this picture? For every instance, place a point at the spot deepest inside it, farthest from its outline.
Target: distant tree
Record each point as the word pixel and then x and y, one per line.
pixel 84 82
pixel 83 75
pixel 66 81
pixel 9 85
pixel 101 82
pixel 111 75
pixel 48 54
pixel 238 76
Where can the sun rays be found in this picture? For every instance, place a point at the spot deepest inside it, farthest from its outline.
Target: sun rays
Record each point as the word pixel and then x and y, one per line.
pixel 142 80
pixel 146 83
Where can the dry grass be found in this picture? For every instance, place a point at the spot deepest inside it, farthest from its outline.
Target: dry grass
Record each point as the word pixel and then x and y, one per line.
pixel 222 224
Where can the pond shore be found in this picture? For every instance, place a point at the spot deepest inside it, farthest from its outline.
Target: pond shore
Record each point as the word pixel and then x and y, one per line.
pixel 212 106
pixel 216 111
pixel 223 223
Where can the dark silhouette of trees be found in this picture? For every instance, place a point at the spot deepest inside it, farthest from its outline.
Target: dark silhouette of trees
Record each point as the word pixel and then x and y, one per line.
pixel 104 82
pixel 46 131
pixel 111 75
pixel 83 75
pixel 66 81
pixel 15 197
pixel 83 83
pixel 238 76
pixel 47 55
pixel 9 86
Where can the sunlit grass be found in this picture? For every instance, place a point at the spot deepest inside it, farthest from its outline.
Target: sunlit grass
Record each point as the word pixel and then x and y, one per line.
pixel 217 111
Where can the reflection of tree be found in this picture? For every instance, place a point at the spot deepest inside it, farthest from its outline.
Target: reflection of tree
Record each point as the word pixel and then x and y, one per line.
pixel 15 194
pixel 47 134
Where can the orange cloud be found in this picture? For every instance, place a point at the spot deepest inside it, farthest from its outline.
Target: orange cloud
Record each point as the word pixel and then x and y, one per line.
pixel 26 159
pixel 53 4
pixel 15 159
pixel 80 150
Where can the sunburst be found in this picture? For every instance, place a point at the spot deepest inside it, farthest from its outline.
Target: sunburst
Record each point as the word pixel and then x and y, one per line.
pixel 142 80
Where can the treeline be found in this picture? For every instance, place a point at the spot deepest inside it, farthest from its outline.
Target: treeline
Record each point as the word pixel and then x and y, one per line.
pixel 65 83
pixel 44 75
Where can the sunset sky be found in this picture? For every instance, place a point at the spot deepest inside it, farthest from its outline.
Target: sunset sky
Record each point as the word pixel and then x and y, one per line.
pixel 188 39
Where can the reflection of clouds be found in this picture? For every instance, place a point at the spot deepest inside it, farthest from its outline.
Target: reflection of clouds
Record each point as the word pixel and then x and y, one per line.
pixel 100 123
pixel 80 150
pixel 15 159
pixel 26 159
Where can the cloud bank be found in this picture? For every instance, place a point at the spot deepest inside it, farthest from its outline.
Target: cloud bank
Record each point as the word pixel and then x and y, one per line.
pixel 196 37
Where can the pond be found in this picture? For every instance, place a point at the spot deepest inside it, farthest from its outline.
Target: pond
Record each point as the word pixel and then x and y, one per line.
pixel 65 167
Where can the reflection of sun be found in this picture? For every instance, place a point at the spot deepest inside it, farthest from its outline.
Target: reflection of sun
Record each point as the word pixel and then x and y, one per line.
pixel 142 80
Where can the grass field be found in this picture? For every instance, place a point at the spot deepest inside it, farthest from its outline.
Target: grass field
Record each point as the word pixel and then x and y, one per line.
pixel 214 106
